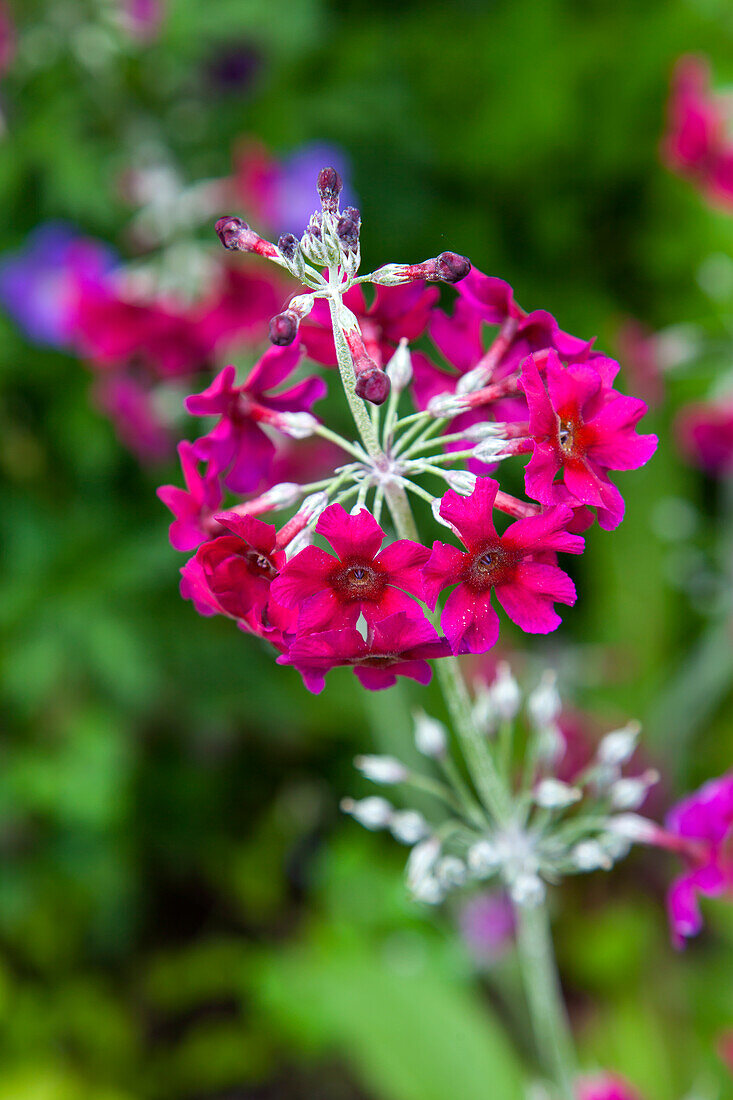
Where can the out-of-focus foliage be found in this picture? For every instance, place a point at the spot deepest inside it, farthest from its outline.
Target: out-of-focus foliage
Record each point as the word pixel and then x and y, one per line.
pixel 182 912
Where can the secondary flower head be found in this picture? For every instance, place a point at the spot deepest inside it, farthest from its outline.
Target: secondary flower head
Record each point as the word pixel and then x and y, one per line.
pixel 238 444
pixel 703 826
pixel 362 580
pixel 605 1087
pixel 705 432
pixel 581 428
pixel 399 645
pixel 518 566
pixel 697 143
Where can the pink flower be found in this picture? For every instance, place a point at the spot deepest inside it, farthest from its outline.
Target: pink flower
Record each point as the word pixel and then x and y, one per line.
pixel 487 925
pixel 702 825
pixel 193 506
pixel 233 573
pixel 706 435
pixel 396 311
pixel 696 144
pixel 399 645
pixel 238 443
pixel 518 566
pixel 130 407
pixel 582 428
pixel 363 579
pixel 605 1087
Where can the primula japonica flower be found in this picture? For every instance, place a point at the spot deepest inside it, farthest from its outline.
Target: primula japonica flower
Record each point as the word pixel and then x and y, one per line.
pixel 518 566
pixel 399 645
pixel 705 432
pixel 238 443
pixel 605 1087
pixel 397 312
pixel 487 925
pixel 195 505
pixel 697 144
pixel 131 408
pixel 702 826
pixel 363 579
pixel 238 569
pixel 580 427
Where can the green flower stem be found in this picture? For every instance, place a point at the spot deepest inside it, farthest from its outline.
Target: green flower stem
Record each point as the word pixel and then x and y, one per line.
pixel 539 971
pixel 334 437
pixel 544 996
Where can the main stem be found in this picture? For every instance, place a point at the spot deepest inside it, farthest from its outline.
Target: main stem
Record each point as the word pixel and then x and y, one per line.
pixel 534 941
pixel 544 995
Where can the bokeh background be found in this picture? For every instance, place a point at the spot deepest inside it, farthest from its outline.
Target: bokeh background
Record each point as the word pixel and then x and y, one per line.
pixel 184 913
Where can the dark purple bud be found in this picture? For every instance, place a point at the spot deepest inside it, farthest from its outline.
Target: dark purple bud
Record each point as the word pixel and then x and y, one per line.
pixel 329 188
pixel 228 230
pixel 372 385
pixel 288 245
pixel 283 328
pixel 452 267
pixel 348 227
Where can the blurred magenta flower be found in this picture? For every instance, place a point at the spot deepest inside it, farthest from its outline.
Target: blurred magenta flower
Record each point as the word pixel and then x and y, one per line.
pixel 279 192
pixel 38 282
pixel 142 19
pixel 705 432
pixel 605 1087
pixel 487 924
pixel 697 144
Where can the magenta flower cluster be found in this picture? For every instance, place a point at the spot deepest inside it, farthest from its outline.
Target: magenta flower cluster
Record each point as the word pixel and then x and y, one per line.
pixel 532 390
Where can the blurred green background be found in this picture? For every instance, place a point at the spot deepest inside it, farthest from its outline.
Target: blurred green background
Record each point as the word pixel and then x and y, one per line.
pixel 184 914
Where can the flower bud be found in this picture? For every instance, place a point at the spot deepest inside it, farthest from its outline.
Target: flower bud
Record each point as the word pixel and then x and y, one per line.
pixel 284 328
pixel 589 855
pixel 330 186
pixel 553 794
pixel 229 230
pixel 490 450
pixel 435 509
pixel 348 227
pixel 527 890
pixel 382 769
pixel 505 694
pixel 476 433
pixel 544 703
pixel 399 368
pixel 422 860
pixel 372 813
pixel 617 747
pixel 633 827
pixel 428 891
pixel 408 827
pixel 280 496
pixel 629 794
pixel 461 481
pixel 445 405
pixel 451 267
pixel 313 505
pixel 451 871
pixel 372 385
pixel 298 425
pixel 288 244
pixel 431 737
pixel 483 859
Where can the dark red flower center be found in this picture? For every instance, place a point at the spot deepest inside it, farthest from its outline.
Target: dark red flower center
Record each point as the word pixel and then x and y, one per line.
pixel 490 564
pixel 358 580
pixel 258 564
pixel 571 434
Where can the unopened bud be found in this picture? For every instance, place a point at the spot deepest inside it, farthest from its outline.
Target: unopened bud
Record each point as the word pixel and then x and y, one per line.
pixel 381 769
pixel 476 433
pixel 452 267
pixel 288 245
pixel 589 855
pixel 229 230
pixel 633 827
pixel 423 858
pixel 313 505
pixel 628 794
pixel 451 871
pixel 490 450
pixel 284 328
pixel 399 368
pixel 435 509
pixel 280 496
pixel 372 813
pixel 461 481
pixel 330 186
pixel 553 794
pixel 544 703
pixel 431 737
pixel 299 425
pixel 348 227
pixel 505 694
pixel 428 891
pixel 299 542
pixel 472 380
pixel 408 827
pixel 551 744
pixel 618 747
pixel 483 859
pixel 446 405
pixel 527 890
pixel 372 385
